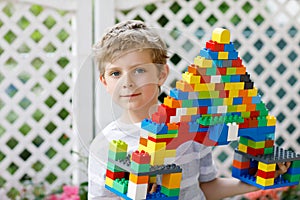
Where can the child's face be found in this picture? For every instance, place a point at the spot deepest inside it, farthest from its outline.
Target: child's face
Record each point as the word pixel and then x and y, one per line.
pixel 132 80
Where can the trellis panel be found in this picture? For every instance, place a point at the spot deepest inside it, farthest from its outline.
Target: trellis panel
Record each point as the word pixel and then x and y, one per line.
pixel 36 63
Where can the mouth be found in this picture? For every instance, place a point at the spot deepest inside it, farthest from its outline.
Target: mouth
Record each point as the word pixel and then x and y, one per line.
pixel 131 95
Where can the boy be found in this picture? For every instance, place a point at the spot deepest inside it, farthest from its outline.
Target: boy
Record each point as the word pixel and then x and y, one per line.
pixel 132 63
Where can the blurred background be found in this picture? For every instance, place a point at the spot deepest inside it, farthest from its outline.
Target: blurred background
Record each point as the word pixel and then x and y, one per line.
pixel 51 101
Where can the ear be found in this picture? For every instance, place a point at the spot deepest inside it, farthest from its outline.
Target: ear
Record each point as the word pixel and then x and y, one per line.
pixel 102 79
pixel 163 75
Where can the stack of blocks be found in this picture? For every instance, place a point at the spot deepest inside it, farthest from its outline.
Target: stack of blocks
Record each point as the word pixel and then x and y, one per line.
pixel 214 103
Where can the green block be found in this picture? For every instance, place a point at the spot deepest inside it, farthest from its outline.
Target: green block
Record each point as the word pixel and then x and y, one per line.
pixel 295 164
pixel 256 145
pixel 232 108
pixel 170 192
pixel 121 185
pixel 268 150
pixel 225 79
pixel 139 168
pixel 245 114
pixel 114 168
pixel 262 121
pixel 172 131
pixel 117 155
pixel 292 178
pixel 231 71
pixel 244 141
pixel 211 71
pixel 118 146
pixel 264 112
pixel 187 103
pixel 218 101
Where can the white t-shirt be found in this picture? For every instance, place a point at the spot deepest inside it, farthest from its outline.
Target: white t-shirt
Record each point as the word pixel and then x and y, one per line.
pixel 194 158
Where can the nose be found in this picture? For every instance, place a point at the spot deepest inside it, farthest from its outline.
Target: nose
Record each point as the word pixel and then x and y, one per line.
pixel 127 82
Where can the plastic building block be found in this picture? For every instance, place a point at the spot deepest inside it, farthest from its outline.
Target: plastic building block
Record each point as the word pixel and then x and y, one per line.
pixel 221 36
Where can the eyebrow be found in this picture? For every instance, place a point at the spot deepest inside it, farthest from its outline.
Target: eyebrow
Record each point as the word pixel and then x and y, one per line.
pixel 131 66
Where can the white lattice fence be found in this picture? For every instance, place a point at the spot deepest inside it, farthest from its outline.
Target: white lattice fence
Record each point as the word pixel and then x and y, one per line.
pixel 36 61
pixel 266 35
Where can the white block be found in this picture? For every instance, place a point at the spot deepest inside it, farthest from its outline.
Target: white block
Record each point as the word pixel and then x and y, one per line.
pixel 193 95
pixel 233 130
pixel 174 119
pixel 137 191
pixel 222 109
pixel 215 79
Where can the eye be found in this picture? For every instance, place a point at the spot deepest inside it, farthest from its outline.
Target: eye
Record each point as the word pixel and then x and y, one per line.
pixel 114 74
pixel 139 70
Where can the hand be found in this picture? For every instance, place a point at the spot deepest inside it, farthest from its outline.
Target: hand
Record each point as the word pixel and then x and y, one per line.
pixel 152 188
pixel 282 168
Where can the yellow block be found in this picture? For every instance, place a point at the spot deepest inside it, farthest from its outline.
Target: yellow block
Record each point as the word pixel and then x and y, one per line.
pixel 171 181
pixel 170 153
pixel 223 55
pixel 157 158
pixel 228 101
pixel 221 35
pixel 109 181
pixel 152 179
pixel 265 182
pixel 271 120
pixel 242 148
pixel 233 93
pixel 203 62
pixel 190 78
pixel 267 167
pixel 191 111
pixel 204 87
pixel 241 108
pixel 153 146
pixel 252 92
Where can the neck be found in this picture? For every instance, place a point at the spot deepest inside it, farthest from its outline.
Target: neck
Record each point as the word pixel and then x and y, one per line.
pixel 135 116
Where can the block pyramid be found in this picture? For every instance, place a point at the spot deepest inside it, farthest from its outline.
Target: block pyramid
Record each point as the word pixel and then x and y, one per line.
pixel 215 103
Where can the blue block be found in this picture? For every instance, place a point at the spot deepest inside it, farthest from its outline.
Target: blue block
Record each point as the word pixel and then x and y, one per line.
pixel 195 117
pixel 237 101
pixel 158 195
pixel 193 127
pixel 178 94
pixel 236 172
pixel 212 109
pixel 124 196
pixel 235 78
pixel 217 63
pixel 293 171
pixel 229 47
pixel 153 127
pixel 256 99
pixel 219 133
pixel 258 133
pixel 232 55
pixel 208 54
pixel 204 102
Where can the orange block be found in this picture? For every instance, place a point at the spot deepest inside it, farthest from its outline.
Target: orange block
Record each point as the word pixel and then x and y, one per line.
pixel 241 165
pixel 138 179
pixel 251 107
pixel 143 141
pixel 243 93
pixel 240 70
pixel 171 181
pixel 171 102
pixel 193 69
pixel 247 100
pixel 172 126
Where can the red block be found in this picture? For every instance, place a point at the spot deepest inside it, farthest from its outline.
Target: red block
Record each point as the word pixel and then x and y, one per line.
pixel 255 152
pixel 264 174
pixel 141 157
pixel 254 113
pixel 205 79
pixel 202 110
pixel 221 70
pixel 269 143
pixel 219 86
pixel 253 123
pixel 214 46
pixel 224 94
pixel 160 118
pixel 237 62
pixel 114 175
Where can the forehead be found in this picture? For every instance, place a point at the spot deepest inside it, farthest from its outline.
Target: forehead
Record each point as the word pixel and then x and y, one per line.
pixel 133 58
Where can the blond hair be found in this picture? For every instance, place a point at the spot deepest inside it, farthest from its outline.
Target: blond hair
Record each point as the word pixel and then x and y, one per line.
pixel 125 37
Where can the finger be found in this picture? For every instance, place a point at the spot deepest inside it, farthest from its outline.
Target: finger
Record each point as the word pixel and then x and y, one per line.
pixel 153 188
pixel 288 164
pixel 282 167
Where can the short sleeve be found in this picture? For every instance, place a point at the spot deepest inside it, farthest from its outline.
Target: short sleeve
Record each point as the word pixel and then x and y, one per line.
pixel 208 170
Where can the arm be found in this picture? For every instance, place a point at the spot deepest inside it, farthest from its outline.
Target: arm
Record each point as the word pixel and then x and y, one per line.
pixel 225 187
pixel 97 169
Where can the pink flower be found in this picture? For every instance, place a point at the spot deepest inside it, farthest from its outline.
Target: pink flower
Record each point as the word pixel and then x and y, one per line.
pixel 52 197
pixel 70 193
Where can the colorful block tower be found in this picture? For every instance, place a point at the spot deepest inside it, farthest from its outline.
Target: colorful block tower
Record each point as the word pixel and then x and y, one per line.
pixel 214 103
